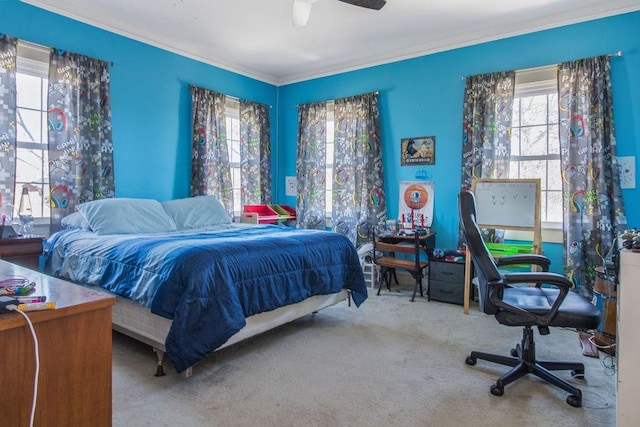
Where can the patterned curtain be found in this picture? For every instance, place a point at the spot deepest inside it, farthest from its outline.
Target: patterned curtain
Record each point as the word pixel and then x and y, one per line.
pixel 210 169
pixel 486 126
pixel 80 144
pixel 358 192
pixel 593 207
pixel 255 153
pixel 8 55
pixel 311 165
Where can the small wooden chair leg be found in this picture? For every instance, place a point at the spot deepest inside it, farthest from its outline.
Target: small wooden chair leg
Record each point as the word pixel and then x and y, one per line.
pixel 395 277
pixel 383 277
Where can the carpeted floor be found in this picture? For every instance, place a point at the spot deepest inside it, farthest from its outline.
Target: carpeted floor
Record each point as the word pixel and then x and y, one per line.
pixel 390 362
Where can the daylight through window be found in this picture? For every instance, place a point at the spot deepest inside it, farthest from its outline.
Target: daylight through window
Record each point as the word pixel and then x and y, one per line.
pixel 32 158
pixel 535 147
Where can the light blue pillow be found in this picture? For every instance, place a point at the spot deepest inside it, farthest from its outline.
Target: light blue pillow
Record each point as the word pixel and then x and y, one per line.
pixel 126 216
pixel 75 220
pixel 196 212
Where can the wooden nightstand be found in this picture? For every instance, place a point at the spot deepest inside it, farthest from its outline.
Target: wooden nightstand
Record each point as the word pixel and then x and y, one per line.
pixel 24 251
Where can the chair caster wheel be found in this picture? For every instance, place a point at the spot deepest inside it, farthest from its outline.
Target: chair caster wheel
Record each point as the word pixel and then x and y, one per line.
pixel 575 401
pixel 470 360
pixel 496 390
pixel 578 374
pixel 514 352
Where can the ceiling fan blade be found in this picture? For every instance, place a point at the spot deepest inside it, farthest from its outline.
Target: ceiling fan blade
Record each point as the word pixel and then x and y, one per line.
pixel 369 4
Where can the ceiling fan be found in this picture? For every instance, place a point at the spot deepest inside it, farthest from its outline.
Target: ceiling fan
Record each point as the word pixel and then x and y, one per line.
pixel 302 8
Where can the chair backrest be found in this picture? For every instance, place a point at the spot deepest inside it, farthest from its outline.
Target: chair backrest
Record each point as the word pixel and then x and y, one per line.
pixel 409 247
pixel 485 268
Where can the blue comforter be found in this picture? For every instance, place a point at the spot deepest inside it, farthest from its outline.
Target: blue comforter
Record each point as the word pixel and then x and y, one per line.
pixel 208 282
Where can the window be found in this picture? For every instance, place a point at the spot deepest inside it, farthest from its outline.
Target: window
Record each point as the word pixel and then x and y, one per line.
pixel 535 145
pixel 328 202
pixel 232 118
pixel 32 160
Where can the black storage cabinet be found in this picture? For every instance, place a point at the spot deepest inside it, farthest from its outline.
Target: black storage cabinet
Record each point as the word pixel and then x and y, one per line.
pixel 446 281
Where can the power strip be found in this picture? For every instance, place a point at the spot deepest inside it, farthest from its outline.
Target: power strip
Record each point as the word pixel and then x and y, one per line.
pixel 5 302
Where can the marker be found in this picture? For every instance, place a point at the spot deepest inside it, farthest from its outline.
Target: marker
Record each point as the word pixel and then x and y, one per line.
pixel 37 306
pixel 31 299
pixel 25 289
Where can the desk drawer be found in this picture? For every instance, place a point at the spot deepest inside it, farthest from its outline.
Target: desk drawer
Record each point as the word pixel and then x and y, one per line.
pixel 446 291
pixel 446 271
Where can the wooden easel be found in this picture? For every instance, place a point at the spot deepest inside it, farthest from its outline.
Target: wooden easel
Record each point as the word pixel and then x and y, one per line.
pixel 509 204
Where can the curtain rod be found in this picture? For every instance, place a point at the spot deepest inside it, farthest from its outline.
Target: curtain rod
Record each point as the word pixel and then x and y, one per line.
pixel 228 96
pixel 32 45
pixel 351 96
pixel 618 53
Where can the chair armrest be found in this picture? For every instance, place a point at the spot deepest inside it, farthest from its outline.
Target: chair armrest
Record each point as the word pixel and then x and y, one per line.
pixel 539 278
pixel 529 259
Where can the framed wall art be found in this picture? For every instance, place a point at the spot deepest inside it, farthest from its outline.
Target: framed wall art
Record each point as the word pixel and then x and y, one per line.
pixel 415 207
pixel 419 150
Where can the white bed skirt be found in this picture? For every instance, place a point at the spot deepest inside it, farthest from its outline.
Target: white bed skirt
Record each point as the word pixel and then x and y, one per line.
pixel 138 322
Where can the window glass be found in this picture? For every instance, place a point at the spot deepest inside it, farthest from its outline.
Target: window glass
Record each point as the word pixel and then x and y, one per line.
pixel 535 149
pixel 32 159
pixel 232 112
pixel 329 158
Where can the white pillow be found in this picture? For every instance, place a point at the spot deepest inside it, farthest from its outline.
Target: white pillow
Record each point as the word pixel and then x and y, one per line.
pixel 126 216
pixel 75 220
pixel 196 212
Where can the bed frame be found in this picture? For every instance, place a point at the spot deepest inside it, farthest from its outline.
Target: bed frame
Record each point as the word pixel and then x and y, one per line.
pixel 137 321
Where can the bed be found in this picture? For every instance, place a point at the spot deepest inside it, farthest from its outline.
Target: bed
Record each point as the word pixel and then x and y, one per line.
pixel 188 281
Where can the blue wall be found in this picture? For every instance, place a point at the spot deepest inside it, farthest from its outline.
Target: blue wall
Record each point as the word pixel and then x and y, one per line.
pixel 423 96
pixel 150 97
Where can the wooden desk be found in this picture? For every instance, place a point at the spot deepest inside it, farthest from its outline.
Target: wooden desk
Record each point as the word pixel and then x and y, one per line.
pixel 428 241
pixel 74 385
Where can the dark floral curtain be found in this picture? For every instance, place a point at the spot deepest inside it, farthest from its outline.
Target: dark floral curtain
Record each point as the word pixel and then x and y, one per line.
pixel 358 192
pixel 593 207
pixel 210 169
pixel 486 127
pixel 255 153
pixel 80 144
pixel 311 165
pixel 8 56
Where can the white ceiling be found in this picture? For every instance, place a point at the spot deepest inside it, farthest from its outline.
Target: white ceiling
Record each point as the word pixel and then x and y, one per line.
pixel 256 38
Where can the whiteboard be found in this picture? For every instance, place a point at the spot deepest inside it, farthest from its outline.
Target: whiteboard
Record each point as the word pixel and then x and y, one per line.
pixel 507 203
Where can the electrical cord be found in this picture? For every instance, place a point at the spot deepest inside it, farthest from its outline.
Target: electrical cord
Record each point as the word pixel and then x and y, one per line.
pixel 13 307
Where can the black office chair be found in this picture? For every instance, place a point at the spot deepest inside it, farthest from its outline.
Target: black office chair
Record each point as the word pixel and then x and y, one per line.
pixel 511 299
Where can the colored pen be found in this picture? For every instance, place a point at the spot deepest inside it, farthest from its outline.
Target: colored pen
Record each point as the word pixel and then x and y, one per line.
pixel 37 306
pixel 25 289
pixel 31 299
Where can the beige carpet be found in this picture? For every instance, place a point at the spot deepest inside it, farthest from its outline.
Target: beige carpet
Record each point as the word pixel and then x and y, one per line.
pixel 390 362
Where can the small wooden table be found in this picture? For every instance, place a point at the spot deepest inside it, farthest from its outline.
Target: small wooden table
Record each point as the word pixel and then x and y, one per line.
pixel 74 386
